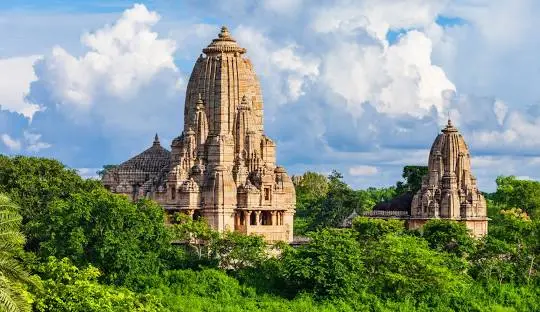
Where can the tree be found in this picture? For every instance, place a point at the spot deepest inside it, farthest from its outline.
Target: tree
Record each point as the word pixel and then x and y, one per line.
pixel 403 267
pixel 122 239
pixel 514 193
pixel 413 179
pixel 511 251
pixel 339 203
pixel 369 229
pixel 69 288
pixel 329 266
pixel 310 192
pixel 33 183
pixel 449 236
pixel 12 274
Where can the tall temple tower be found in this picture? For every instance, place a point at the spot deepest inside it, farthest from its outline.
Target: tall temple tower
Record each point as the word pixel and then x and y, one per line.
pixel 449 190
pixel 222 167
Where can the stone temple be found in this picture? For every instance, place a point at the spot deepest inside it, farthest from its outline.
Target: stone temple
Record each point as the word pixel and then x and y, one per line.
pixel 222 167
pixel 448 191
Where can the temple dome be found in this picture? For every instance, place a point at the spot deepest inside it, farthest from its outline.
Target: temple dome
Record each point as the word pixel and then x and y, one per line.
pixel 153 159
pixel 220 79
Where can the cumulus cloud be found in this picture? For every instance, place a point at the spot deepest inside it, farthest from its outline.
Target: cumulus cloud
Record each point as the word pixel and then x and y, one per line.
pixel 106 103
pixel 16 74
pixel 363 170
pixel 122 61
pixel 11 143
pixel 282 67
pixel 355 97
pixel 33 142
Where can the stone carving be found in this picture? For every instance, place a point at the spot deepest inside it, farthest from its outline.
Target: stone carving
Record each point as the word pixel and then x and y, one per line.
pixel 222 166
pixel 449 190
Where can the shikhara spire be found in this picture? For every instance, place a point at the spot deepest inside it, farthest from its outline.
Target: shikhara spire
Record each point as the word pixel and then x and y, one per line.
pixel 449 190
pixel 222 166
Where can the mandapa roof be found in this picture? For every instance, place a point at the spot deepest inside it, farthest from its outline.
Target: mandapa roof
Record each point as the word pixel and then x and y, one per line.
pixel 153 159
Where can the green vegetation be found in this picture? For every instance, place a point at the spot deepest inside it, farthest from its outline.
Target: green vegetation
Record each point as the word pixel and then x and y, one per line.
pixel 89 250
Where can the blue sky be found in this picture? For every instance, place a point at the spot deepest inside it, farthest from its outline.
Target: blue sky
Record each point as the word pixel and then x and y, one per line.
pixel 358 86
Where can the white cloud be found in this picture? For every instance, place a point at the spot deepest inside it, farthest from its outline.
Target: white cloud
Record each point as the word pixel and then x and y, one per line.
pixel 125 84
pixel 33 142
pixel 16 74
pixel 500 110
pixel 88 173
pixel 282 67
pixel 282 6
pixel 122 60
pixel 376 18
pixel 363 170
pixel 399 79
pixel 11 143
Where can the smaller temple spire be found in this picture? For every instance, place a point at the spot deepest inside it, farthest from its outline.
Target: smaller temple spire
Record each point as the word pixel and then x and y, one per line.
pixel 200 102
pixel 244 104
pixel 156 140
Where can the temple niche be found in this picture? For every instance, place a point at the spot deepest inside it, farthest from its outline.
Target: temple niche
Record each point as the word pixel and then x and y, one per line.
pixel 449 190
pixel 222 166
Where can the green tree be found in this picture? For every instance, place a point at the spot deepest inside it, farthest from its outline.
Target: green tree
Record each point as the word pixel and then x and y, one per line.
pixel 12 274
pixel 330 266
pixel 369 229
pixel 121 238
pixel 339 203
pixel 524 194
pixel 511 251
pixel 413 179
pixel 403 267
pixel 33 183
pixel 69 288
pixel 310 192
pixel 449 236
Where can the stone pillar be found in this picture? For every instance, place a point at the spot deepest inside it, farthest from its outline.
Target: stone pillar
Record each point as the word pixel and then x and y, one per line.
pixel 257 215
pixel 274 217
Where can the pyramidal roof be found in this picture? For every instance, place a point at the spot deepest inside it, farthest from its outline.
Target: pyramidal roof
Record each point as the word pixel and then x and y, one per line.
pixel 153 159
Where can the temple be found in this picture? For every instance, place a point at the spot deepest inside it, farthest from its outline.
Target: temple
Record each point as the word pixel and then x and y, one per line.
pixel 448 191
pixel 222 167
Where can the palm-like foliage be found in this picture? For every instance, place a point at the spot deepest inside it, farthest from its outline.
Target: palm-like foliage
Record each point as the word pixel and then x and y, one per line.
pixel 12 274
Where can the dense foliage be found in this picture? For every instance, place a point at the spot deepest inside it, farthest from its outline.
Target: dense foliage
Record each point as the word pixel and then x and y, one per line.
pixel 89 250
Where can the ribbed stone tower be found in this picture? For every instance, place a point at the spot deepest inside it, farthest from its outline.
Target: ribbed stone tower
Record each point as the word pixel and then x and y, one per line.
pixel 223 166
pixel 449 190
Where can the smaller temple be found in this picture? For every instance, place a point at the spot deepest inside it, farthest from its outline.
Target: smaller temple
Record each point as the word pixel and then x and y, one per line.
pixel 449 190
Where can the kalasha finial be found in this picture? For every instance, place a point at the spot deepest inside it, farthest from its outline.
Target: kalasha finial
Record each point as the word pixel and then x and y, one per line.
pixel 156 140
pixel 224 32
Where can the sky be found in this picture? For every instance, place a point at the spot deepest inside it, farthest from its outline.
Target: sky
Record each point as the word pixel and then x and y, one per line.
pixel 362 87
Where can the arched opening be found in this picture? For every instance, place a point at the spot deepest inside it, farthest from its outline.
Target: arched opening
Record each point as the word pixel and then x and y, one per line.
pixel 241 218
pixel 266 218
pixel 173 192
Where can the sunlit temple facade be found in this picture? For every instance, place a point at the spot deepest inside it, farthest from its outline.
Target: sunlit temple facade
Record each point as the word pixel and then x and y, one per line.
pixel 222 167
pixel 449 190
